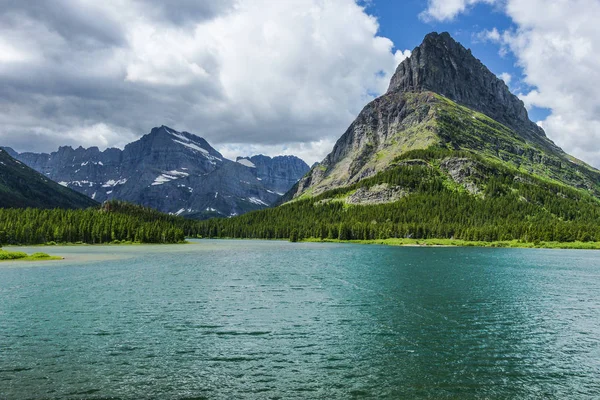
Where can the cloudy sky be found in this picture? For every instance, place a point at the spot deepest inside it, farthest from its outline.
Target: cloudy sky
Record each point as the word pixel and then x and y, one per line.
pixel 271 76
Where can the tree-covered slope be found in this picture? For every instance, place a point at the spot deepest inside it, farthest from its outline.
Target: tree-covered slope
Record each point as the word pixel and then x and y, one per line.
pixel 112 222
pixel 21 186
pixel 434 193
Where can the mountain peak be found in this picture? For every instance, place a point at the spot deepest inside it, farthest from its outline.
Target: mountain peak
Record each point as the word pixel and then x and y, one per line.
pixel 439 37
pixel 10 151
pixel 442 65
pixel 184 140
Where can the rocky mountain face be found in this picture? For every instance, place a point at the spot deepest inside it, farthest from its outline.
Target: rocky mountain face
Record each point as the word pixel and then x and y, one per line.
pixel 171 171
pixel 443 66
pixel 21 187
pixel 443 97
pixel 279 173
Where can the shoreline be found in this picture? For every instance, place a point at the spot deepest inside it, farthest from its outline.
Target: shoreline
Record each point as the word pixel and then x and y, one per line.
pixel 515 244
pixel 507 244
pixel 70 244
pixel 386 242
pixel 31 259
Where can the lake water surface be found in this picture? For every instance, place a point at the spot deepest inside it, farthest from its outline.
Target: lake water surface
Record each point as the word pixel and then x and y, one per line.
pixel 266 320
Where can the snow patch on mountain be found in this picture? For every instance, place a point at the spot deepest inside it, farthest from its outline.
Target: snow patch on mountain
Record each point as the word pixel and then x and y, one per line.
pixel 178 173
pixel 192 146
pixel 169 176
pixel 256 200
pixel 113 183
pixel 246 162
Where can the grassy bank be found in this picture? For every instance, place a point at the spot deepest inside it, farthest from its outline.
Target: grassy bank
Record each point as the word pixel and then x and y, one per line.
pixel 21 256
pixel 113 243
pixel 466 243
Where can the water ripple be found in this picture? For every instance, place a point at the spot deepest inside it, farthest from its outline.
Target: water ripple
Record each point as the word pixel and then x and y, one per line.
pixel 296 321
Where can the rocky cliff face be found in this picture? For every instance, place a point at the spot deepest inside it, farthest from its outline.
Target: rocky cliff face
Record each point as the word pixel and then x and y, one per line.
pixel 442 65
pixel 385 128
pixel 442 96
pixel 171 171
pixel 279 173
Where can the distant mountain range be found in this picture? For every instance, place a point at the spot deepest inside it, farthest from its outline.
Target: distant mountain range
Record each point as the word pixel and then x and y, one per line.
pixel 174 172
pixel 21 187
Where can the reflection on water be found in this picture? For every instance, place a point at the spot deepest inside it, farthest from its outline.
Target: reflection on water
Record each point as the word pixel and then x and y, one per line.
pixel 255 319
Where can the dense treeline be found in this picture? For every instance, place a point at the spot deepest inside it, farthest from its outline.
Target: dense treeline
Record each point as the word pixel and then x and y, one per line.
pixel 113 222
pixel 511 205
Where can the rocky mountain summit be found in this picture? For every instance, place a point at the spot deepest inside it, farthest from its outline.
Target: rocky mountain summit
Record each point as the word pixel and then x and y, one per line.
pixel 171 171
pixel 443 66
pixel 442 97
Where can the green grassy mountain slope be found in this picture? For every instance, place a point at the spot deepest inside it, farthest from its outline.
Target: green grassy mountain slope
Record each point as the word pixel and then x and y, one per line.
pixel 408 121
pixel 443 96
pixel 434 193
pixel 21 187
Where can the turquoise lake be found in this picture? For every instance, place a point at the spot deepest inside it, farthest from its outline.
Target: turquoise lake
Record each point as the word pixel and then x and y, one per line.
pixel 277 320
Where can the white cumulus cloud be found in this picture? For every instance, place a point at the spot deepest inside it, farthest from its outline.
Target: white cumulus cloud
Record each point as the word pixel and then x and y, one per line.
pixel 506 77
pixel 556 43
pixel 445 10
pixel 558 51
pixel 281 74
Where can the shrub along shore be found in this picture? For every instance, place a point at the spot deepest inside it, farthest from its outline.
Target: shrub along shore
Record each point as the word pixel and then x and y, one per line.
pixel 22 256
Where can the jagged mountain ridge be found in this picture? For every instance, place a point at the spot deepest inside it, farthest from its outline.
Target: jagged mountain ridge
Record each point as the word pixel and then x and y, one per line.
pixel 443 97
pixel 171 171
pixel 21 187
